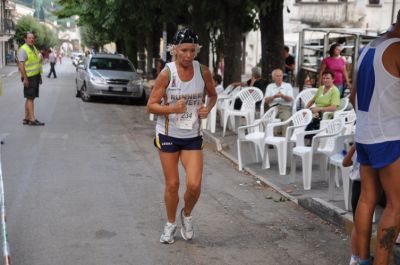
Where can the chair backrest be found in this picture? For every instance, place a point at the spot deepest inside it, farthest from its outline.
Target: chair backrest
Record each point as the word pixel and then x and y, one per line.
pixel 227 90
pixel 301 118
pixel 349 118
pixel 303 98
pixel 344 102
pixel 249 96
pixel 269 116
pixel 334 128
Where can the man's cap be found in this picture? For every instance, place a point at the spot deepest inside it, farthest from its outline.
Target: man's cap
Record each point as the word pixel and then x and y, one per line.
pixel 185 35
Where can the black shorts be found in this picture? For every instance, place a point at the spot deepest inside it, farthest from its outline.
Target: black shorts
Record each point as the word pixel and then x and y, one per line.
pixel 171 144
pixel 32 91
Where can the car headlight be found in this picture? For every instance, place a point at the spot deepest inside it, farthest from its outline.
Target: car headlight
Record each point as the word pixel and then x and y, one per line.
pixel 98 80
pixel 137 82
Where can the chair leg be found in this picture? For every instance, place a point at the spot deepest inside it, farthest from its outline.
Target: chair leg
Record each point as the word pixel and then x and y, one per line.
pixel 331 186
pixel 293 168
pixel 265 163
pixel 337 181
pixel 225 121
pixel 307 170
pixel 239 156
pixel 282 157
pixel 346 186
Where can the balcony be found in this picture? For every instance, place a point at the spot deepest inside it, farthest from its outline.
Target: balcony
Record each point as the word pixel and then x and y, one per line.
pixel 333 13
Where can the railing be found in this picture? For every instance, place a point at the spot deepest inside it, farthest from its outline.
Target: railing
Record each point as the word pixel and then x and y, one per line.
pixel 6 260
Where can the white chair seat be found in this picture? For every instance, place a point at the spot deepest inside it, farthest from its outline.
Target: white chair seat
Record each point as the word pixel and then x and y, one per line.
pixel 254 136
pixel 336 160
pixel 298 150
pixel 274 140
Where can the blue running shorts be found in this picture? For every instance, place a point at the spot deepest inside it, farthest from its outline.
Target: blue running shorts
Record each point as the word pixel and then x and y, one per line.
pixel 171 144
pixel 378 155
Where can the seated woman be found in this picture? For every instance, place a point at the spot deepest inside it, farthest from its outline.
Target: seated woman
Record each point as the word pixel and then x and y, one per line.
pixel 327 98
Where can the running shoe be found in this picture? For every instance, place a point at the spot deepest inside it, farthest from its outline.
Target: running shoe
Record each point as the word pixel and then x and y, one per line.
pixel 187 226
pixel 354 260
pixel 168 236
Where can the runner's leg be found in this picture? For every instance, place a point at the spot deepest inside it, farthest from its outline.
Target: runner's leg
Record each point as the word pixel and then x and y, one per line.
pixel 192 161
pixel 370 189
pixel 389 223
pixel 169 162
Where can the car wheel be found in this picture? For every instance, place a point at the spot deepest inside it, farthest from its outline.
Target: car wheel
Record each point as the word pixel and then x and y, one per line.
pixel 77 91
pixel 85 94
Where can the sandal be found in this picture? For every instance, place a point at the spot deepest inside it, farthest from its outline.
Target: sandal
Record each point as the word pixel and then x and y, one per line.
pixel 25 121
pixel 35 123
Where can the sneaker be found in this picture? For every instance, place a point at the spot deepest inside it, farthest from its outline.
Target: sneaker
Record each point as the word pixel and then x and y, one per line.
pixel 168 236
pixel 187 226
pixel 354 260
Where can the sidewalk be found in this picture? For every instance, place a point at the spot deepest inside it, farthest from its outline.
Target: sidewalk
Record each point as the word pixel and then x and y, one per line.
pixel 314 200
pixel 9 70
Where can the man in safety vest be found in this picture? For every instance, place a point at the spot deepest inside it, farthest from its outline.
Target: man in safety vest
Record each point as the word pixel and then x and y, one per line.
pixel 30 67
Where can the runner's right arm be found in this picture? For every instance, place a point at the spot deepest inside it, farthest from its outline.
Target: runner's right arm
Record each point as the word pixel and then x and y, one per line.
pixel 157 94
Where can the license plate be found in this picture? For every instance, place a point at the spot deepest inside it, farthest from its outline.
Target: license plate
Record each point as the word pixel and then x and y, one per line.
pixel 118 89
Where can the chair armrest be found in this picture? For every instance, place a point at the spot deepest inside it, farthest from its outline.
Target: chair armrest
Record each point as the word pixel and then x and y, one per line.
pixel 300 136
pixel 340 142
pixel 325 115
pixel 271 126
pixel 290 129
pixel 242 129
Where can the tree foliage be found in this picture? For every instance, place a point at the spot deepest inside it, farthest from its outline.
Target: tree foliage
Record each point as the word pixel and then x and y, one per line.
pixel 136 27
pixel 45 37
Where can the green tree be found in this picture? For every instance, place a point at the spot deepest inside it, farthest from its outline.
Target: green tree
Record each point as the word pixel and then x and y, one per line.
pixel 45 37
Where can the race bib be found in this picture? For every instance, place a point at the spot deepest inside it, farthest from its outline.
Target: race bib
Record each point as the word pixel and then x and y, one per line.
pixel 187 119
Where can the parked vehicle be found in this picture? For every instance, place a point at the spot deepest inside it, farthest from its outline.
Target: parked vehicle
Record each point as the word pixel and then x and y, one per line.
pixel 78 59
pixel 107 75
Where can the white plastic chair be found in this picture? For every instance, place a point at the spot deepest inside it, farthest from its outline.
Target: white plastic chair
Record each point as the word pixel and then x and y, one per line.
pixel 336 164
pixel 255 133
pixel 224 99
pixel 249 96
pixel 299 122
pixel 210 122
pixel 344 102
pixel 303 98
pixel 322 144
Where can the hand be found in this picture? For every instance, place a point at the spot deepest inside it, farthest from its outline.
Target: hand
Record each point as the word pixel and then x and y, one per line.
pixel 26 82
pixel 203 112
pixel 315 110
pixel 279 94
pixel 180 106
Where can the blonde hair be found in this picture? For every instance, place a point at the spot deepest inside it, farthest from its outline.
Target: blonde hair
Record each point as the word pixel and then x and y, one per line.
pixel 171 48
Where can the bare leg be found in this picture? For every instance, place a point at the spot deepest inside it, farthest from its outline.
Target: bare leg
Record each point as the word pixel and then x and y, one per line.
pixel 354 240
pixel 370 190
pixel 29 109
pixel 169 162
pixel 192 161
pixel 389 223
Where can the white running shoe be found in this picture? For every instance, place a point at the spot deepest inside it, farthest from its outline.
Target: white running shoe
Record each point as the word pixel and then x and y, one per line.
pixel 353 260
pixel 187 226
pixel 168 236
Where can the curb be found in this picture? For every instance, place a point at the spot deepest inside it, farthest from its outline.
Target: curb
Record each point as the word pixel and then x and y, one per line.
pixel 321 208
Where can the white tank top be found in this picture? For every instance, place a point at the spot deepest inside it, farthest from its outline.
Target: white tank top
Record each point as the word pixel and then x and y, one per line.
pixel 378 98
pixel 185 125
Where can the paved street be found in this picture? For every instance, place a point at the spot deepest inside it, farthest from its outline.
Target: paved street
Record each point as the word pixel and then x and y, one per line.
pixel 87 188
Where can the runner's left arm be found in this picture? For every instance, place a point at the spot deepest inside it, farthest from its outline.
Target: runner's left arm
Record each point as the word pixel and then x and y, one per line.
pixel 211 93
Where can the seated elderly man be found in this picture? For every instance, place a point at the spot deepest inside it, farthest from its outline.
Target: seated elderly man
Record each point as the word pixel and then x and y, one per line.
pixel 279 94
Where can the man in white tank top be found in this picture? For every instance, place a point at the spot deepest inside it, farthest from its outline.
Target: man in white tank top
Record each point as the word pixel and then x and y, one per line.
pixel 177 98
pixel 377 101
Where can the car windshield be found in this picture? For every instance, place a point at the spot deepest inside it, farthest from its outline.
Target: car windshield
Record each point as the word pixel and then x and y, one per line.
pixel 110 64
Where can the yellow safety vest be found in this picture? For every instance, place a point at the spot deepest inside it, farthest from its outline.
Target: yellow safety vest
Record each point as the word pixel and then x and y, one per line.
pixel 33 65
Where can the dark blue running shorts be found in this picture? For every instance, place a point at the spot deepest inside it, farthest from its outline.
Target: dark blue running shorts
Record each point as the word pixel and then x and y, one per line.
pixel 171 144
pixel 378 155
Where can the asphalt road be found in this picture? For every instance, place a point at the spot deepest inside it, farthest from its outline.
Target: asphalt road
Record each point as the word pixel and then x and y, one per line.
pixel 87 188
